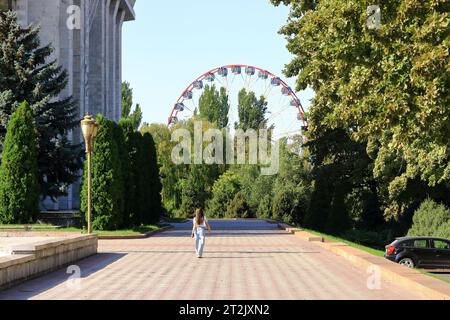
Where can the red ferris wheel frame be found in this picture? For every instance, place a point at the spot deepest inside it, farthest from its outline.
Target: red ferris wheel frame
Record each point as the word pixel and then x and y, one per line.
pixel 291 93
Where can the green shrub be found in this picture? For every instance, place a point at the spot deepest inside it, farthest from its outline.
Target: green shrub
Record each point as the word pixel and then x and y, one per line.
pixel 372 239
pixel 431 219
pixel 238 207
pixel 129 153
pixel 338 219
pixel 224 191
pixel 285 207
pixel 150 181
pixel 265 208
pixel 107 183
pixel 19 189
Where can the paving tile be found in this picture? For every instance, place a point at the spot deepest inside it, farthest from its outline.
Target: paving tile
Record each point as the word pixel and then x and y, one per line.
pixel 249 260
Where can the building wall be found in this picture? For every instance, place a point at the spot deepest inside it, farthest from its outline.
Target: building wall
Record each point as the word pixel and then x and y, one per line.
pixel 91 54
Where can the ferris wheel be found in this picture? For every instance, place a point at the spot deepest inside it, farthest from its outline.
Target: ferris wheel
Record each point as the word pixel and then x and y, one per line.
pixel 285 112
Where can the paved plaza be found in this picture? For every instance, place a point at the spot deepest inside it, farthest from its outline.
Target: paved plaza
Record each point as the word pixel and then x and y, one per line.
pixel 243 260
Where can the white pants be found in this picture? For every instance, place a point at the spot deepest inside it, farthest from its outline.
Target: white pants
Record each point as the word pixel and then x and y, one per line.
pixel 200 240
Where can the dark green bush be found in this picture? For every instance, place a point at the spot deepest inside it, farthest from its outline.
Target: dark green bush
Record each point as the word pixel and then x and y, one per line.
pixel 107 180
pixel 372 239
pixel 19 188
pixel 265 208
pixel 238 207
pixel 431 219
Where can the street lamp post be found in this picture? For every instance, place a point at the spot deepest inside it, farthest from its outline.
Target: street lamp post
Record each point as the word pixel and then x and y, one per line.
pixel 89 128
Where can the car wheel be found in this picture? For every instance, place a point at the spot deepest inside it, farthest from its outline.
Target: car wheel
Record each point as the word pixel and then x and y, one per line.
pixel 407 262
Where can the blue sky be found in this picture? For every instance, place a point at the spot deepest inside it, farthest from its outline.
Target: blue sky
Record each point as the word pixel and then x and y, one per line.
pixel 172 42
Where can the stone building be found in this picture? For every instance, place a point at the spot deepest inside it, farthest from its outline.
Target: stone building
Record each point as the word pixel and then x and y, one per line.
pixel 87 38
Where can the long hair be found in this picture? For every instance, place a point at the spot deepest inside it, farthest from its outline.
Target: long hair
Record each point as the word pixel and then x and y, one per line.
pixel 199 216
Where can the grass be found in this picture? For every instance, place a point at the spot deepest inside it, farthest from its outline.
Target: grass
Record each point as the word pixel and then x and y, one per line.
pixel 25 225
pixel 435 275
pixel 375 252
pixel 125 232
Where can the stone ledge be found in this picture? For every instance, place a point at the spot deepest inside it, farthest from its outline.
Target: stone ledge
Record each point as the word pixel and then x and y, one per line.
pixel 409 278
pixel 31 260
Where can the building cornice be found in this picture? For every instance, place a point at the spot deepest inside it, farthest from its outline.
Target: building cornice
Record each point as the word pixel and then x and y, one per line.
pixel 128 7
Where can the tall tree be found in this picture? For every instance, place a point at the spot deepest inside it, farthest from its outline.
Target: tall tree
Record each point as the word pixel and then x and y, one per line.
pixel 387 87
pixel 19 189
pixel 127 104
pixel 152 181
pixel 131 175
pixel 28 74
pixel 214 105
pixel 252 111
pixel 107 183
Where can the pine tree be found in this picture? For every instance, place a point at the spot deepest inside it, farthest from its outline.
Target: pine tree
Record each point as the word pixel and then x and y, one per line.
pixel 19 189
pixel 238 207
pixel 152 180
pixel 107 182
pixel 26 75
pixel 130 173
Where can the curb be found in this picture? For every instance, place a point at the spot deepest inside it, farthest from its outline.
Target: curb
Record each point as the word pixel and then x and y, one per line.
pixel 410 279
pixel 135 237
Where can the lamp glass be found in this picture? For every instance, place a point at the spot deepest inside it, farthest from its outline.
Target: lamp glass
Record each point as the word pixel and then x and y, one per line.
pixel 95 130
pixel 87 126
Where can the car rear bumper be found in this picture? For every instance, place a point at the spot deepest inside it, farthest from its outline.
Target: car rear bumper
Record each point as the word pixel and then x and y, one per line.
pixel 391 258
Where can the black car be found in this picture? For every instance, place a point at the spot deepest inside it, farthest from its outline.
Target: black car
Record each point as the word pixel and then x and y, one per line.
pixel 420 252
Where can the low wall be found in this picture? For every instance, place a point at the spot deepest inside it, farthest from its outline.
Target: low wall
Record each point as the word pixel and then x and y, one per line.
pixel 32 260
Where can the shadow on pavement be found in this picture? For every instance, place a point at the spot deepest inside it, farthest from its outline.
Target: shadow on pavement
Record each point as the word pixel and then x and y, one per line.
pixel 36 286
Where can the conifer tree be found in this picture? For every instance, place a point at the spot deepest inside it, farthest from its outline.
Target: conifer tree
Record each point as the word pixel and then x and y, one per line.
pixel 130 173
pixel 152 181
pixel 107 182
pixel 19 189
pixel 27 74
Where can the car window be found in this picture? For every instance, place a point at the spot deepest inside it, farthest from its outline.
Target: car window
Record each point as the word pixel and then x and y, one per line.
pixel 440 244
pixel 420 243
pixel 406 243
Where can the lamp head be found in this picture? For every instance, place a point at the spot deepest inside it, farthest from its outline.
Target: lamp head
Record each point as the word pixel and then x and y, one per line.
pixel 87 126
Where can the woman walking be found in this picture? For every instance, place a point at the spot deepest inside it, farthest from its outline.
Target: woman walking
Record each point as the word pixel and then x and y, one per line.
pixel 200 224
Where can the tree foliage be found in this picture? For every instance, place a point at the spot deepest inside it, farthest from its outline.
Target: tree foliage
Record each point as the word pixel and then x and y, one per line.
pixel 238 207
pixel 387 88
pixel 135 116
pixel 223 192
pixel 150 182
pixel 19 188
pixel 107 180
pixel 214 106
pixel 251 110
pixel 27 73
pixel 431 220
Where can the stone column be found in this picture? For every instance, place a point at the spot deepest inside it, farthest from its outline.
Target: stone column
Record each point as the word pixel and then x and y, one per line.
pixel 107 49
pixel 66 59
pixel 114 61
pixel 95 58
pixel 111 57
pixel 118 106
